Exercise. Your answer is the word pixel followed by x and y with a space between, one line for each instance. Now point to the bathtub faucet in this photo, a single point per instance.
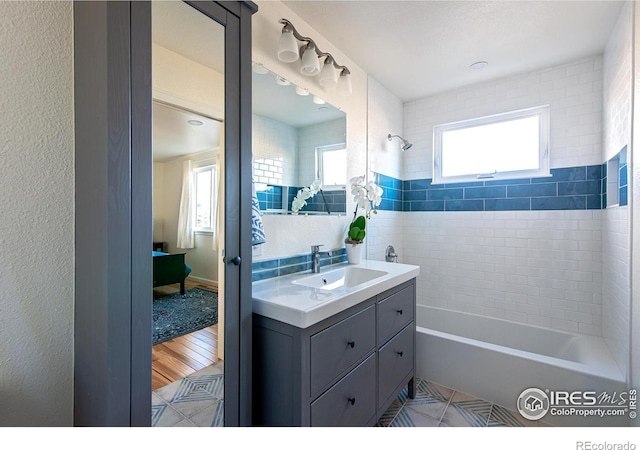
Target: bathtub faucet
pixel 390 254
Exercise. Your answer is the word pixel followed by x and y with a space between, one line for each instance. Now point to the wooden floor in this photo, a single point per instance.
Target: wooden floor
pixel 179 357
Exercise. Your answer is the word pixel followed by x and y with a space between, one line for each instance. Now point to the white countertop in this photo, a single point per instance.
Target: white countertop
pixel 280 299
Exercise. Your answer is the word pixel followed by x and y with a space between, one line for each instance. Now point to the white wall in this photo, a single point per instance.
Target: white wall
pixel 36 224
pixel 286 235
pixel 616 220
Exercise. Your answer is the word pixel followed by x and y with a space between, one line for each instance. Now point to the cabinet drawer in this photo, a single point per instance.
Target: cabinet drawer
pixel 394 313
pixel 395 362
pixel 341 346
pixel 351 402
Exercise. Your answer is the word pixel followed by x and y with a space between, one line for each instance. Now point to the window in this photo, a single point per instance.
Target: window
pixel 503 146
pixel 331 166
pixel 205 183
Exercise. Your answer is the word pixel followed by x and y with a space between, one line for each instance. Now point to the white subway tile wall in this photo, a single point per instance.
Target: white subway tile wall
pixel 573 91
pixel 537 267
pixel 616 291
pixel 275 146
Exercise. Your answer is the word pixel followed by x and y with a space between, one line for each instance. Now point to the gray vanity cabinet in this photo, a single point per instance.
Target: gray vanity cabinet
pixel 343 371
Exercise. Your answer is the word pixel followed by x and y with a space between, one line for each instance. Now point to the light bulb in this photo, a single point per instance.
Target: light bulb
pixel 344 84
pixel 288 46
pixel 310 63
pixel 328 76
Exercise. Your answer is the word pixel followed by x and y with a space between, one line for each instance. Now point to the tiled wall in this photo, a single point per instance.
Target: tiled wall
pixel 532 265
pixel 275 146
pixel 616 119
pixel 537 267
pixel 573 92
pixel 567 188
pixel 278 267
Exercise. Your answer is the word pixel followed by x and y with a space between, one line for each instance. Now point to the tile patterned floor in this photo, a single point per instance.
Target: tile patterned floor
pixel 197 401
pixel 194 401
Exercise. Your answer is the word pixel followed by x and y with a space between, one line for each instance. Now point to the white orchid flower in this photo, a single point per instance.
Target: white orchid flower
pixel 315 187
pixel 297 204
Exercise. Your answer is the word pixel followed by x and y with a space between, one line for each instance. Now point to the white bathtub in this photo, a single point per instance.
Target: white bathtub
pixel 496 360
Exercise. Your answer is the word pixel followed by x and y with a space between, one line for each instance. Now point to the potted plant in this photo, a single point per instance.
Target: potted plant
pixel 367 197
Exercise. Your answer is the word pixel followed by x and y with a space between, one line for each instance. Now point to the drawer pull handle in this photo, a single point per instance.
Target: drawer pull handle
pixel 351 344
pixel 399 353
pixel 399 311
pixel 352 401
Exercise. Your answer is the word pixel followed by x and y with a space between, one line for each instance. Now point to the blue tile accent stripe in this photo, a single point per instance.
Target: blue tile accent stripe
pixel 568 188
pixel 261 270
pixel 623 199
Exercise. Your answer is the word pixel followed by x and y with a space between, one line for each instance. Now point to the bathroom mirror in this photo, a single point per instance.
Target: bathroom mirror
pixel 297 138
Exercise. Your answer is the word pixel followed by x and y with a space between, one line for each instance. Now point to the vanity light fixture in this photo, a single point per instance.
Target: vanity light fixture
pixel 313 60
pixel 310 64
pixel 288 46
pixel 328 76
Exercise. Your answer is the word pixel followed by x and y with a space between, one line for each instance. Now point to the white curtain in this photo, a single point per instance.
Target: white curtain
pixel 186 214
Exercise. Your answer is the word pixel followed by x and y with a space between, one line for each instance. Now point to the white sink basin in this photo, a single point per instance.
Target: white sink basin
pixel 304 299
pixel 347 277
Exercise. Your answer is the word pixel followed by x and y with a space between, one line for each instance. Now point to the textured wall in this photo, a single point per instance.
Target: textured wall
pixel 36 223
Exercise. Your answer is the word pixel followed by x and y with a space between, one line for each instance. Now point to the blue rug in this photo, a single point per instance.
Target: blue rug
pixel 176 315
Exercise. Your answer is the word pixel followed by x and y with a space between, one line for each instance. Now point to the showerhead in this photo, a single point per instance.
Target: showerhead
pixel 406 145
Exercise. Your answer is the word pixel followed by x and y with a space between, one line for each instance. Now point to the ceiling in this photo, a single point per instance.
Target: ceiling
pixel 419 48
pixel 180 28
pixel 290 108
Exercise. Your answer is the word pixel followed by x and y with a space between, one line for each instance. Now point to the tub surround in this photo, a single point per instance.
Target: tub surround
pixel 335 357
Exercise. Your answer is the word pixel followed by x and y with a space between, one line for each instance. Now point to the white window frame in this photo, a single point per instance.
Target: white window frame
pixel 213 169
pixel 320 169
pixel 543 151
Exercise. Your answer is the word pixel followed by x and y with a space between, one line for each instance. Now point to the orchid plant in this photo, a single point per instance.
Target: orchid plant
pixel 300 200
pixel 367 197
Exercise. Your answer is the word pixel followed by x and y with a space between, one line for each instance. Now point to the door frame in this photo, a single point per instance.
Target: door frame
pixel 113 217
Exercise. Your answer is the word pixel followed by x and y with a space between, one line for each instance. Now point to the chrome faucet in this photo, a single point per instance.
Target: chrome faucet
pixel 315 258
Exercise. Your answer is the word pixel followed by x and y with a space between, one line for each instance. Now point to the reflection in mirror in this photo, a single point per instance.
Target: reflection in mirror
pixel 297 138
pixel 188 179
